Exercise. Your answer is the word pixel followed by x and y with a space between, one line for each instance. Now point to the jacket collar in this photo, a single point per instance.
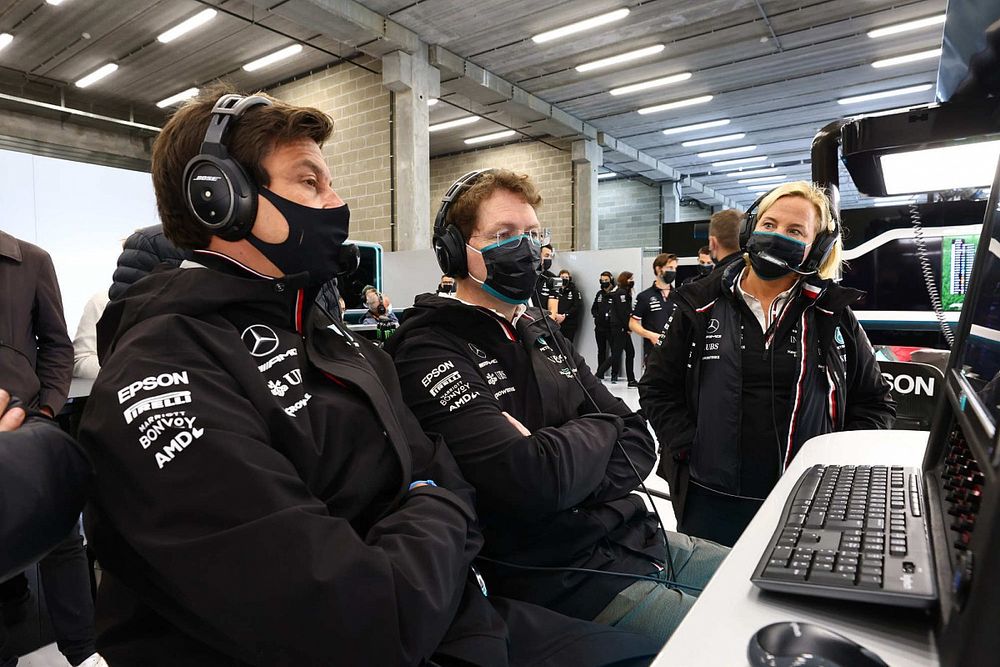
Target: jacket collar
pixel 9 247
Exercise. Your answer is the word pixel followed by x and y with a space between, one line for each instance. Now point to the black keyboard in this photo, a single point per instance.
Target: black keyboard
pixel 853 533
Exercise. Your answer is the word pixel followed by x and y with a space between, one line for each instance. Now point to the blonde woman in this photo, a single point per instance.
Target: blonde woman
pixel 758 358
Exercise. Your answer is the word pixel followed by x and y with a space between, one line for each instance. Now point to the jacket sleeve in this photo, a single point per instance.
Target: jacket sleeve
pixel 85 361
pixel 138 258
pixel 232 533
pixel 869 400
pixel 576 305
pixel 55 350
pixel 640 448
pixel 596 305
pixel 663 389
pixel 551 470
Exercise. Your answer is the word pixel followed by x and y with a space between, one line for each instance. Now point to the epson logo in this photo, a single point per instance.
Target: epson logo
pixel 904 384
pixel 207 178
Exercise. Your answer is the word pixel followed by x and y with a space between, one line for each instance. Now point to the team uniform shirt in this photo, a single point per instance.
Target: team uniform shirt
pixel 651 309
pixel 601 310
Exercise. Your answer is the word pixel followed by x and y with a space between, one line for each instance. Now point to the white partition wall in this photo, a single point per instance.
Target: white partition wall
pixel 407 273
pixel 79 213
pixel 586 267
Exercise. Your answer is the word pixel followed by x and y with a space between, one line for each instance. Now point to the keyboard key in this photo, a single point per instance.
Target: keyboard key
pixel 871 570
pixel 869 581
pixel 785 574
pixel 815 519
pixel 832 578
pixel 795 520
pixel 822 567
pixel 846 569
pixel 897 551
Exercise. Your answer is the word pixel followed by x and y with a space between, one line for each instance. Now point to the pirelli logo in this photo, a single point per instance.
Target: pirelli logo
pixel 170 400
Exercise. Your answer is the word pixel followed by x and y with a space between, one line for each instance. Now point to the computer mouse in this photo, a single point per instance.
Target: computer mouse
pixel 795 644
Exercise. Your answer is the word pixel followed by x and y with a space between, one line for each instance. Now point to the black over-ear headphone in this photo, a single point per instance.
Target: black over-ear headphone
pixel 218 191
pixel 449 244
pixel 821 247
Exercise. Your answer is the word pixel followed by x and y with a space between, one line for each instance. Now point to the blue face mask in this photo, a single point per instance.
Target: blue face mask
pixel 773 256
pixel 512 268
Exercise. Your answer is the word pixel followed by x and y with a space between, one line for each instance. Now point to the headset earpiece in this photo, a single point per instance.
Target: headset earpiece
pixel 220 194
pixel 449 244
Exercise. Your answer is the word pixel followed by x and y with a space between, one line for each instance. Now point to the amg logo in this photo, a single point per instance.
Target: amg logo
pixel 155 403
pixel 207 178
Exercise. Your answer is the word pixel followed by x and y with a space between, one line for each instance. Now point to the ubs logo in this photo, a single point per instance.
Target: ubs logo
pixel 260 339
pixel 713 325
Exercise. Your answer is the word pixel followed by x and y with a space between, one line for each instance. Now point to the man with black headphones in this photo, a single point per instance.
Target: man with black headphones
pixel 554 457
pixel 757 358
pixel 265 497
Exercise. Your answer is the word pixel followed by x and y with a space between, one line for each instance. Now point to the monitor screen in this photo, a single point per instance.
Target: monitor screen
pixel 979 362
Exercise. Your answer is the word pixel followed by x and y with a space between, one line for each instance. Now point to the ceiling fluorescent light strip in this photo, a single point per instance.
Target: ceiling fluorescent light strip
pixel 909 90
pixel 742 160
pixel 76 112
pixel 448 124
pixel 272 58
pixel 762 179
pixel 432 101
pixel 753 172
pixel 490 137
pixel 607 174
pixel 580 26
pixel 759 188
pixel 713 140
pixel 5 39
pixel 727 151
pixel 697 126
pixel 908 58
pixel 620 58
pixel 179 97
pixel 654 83
pixel 966 165
pixel 97 75
pixel 183 27
pixel 906 27
pixel 691 101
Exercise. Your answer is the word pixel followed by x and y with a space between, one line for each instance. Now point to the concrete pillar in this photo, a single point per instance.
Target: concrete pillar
pixel 413 81
pixel 670 201
pixel 587 157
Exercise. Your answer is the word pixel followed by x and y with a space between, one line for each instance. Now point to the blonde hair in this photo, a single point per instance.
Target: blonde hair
pixel 815 195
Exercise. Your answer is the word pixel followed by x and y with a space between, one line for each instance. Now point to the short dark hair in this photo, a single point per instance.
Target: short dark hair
pixel 250 140
pixel 549 246
pixel 464 210
pixel 725 226
pixel 663 259
pixel 608 274
pixel 704 250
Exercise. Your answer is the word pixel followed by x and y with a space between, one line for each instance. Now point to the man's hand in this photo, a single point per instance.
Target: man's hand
pixel 652 337
pixel 10 419
pixel 521 428
pixel 559 318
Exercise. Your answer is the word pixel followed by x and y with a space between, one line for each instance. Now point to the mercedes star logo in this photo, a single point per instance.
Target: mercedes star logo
pixel 713 325
pixel 476 351
pixel 260 339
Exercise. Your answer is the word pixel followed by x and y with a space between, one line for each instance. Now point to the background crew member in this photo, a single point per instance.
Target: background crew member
pixel 378 308
pixel 619 333
pixel 553 487
pixel 265 495
pixel 650 313
pixel 570 305
pixel 756 360
pixel 446 286
pixel 36 366
pixel 546 291
pixel 705 264
pixel 601 310
pixel 724 237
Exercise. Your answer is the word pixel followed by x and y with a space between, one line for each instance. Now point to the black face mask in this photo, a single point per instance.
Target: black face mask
pixel 566 281
pixel 705 269
pixel 512 269
pixel 605 284
pixel 667 277
pixel 546 264
pixel 446 288
pixel 775 255
pixel 315 239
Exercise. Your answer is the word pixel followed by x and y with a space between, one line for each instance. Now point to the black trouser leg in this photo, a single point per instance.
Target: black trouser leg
pixel 66 582
pixel 614 361
pixel 629 356
pixel 601 335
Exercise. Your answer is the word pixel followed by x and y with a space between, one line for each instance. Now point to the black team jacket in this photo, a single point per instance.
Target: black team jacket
pixel 695 411
pixel 562 497
pixel 253 461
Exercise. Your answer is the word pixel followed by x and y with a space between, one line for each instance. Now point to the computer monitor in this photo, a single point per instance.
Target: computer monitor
pixel 962 462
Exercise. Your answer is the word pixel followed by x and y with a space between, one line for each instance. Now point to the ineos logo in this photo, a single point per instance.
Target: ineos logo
pixel 713 325
pixel 260 339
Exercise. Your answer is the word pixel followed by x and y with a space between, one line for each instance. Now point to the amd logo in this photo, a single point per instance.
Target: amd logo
pixel 906 384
